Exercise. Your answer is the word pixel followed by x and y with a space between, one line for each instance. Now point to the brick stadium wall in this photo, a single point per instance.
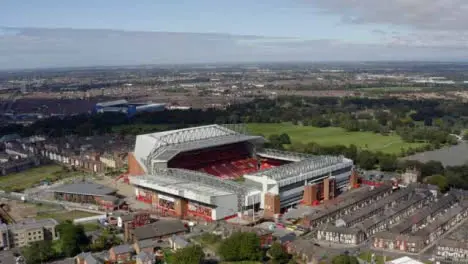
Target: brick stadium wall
pixel 134 167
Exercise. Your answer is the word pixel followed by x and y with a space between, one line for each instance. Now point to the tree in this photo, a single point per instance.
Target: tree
pixel 38 252
pixel 277 254
pixel 345 259
pixel 438 180
pixel 366 160
pixel 284 139
pixel 388 163
pixel 241 246
pixel 73 239
pixel 188 255
pixel 431 168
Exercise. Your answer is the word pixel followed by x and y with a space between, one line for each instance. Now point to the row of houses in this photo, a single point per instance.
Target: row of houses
pixel 425 215
pixel 358 233
pixel 94 154
pixel 344 204
pixel 377 208
pixel 425 236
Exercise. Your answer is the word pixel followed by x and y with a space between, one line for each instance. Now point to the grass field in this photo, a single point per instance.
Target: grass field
pixel 330 136
pixel 367 256
pixel 28 178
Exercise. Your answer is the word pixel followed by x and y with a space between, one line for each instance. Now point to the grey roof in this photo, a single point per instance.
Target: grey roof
pixel 144 256
pixel 389 213
pixel 311 164
pixel 89 258
pixel 122 249
pixel 146 243
pixel 85 188
pixel 452 243
pixel 179 241
pixel 449 156
pixel 345 200
pixel 127 217
pixel 158 229
pixel 440 221
pixel 422 214
pixel 340 230
pixel 380 204
pixel 30 224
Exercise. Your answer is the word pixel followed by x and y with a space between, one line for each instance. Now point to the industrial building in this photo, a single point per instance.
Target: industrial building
pixel 91 193
pixel 129 109
pixel 195 172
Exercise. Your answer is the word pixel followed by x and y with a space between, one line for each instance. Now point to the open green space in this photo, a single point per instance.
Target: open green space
pixel 31 177
pixel 62 216
pixel 379 259
pixel 332 136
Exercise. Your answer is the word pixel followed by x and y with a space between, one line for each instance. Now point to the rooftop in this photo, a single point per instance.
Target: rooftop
pixel 159 228
pixel 452 243
pixel 311 164
pixel 178 185
pixel 30 224
pixel 380 204
pixel 347 199
pixel 85 188
pixel 441 220
pixel 163 146
pixel 422 214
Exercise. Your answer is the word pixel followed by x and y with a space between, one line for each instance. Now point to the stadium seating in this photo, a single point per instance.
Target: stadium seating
pixel 226 162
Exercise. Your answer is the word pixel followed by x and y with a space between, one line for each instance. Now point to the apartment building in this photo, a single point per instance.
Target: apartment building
pixel 25 232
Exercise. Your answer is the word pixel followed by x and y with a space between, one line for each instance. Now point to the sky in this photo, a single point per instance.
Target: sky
pixel 58 33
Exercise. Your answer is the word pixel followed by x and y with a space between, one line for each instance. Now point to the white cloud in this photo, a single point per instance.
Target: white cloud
pixel 434 23
pixel 33 48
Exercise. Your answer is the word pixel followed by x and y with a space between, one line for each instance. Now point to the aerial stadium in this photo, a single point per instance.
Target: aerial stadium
pixel 216 172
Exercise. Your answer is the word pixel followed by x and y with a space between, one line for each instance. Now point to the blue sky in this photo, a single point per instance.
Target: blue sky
pixel 315 30
pixel 241 17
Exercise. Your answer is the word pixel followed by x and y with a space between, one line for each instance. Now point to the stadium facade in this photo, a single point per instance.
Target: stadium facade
pixel 130 109
pixel 215 172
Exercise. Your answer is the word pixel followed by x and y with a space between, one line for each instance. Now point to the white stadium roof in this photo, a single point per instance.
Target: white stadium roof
pixel 163 146
pixel 192 185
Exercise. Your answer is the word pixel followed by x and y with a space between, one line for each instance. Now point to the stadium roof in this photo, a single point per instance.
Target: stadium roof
pixel 283 155
pixel 179 182
pixel 85 188
pixel 305 169
pixel 112 103
pixel 163 146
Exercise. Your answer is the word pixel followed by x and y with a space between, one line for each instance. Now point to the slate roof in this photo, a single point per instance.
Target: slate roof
pixel 85 188
pixel 159 228
pixel 122 249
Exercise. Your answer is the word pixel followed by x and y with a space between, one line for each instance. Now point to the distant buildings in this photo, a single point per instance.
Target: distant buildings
pixel 130 109
pixel 25 232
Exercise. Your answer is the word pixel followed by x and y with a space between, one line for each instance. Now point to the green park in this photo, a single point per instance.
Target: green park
pixel 332 136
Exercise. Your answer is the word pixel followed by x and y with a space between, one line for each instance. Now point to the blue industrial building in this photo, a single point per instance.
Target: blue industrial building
pixel 124 107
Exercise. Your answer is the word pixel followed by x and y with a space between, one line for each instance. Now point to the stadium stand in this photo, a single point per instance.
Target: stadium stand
pixel 191 169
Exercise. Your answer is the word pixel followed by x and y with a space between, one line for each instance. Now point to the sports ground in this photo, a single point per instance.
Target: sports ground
pixel 332 136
